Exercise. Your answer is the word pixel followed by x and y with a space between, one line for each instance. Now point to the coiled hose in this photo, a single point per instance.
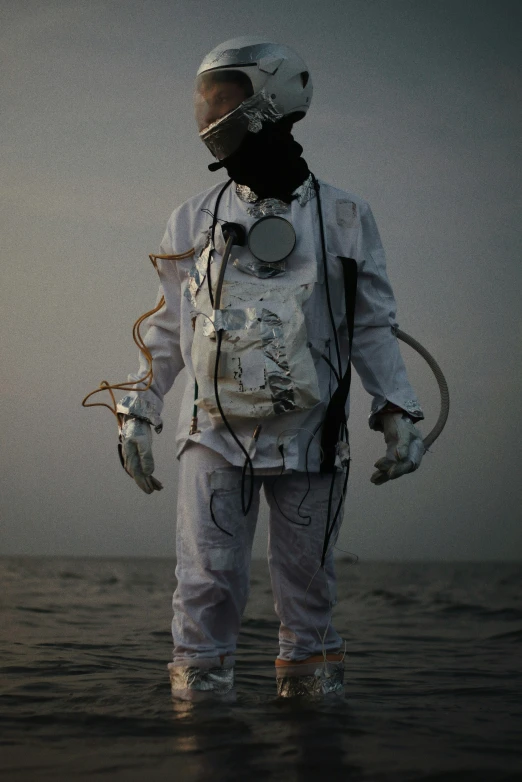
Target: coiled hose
pixel 441 381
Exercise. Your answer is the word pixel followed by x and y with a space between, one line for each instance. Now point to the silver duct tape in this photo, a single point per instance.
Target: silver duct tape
pixel 198 273
pixel 140 408
pixel 225 135
pixel 201 241
pixel 259 269
pixel 271 335
pixel 246 194
pixel 326 680
pixel 277 367
pixel 236 319
pixel 217 680
pixel 342 451
pixel 304 193
pixel 258 109
pixel 208 328
pixel 413 407
pixel 267 207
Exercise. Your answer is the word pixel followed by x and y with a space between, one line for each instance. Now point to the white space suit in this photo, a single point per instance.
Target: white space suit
pixel 264 351
pixel 214 540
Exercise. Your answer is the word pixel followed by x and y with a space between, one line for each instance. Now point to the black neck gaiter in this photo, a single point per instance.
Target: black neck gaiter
pixel 269 162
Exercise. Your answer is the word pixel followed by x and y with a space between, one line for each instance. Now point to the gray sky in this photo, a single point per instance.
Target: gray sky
pixel 416 108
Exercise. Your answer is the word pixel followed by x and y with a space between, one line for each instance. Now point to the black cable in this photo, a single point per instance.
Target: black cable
pixel 332 369
pixel 221 276
pixel 219 338
pixel 245 508
pixel 248 461
pixel 292 521
pixel 209 279
pixel 327 287
pixel 212 239
pixel 306 462
pixel 308 478
pixel 243 475
pixel 211 213
pixel 326 284
pixel 338 352
pixel 214 518
pixel 330 527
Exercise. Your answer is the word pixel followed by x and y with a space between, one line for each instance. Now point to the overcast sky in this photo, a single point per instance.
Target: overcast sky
pixel 416 108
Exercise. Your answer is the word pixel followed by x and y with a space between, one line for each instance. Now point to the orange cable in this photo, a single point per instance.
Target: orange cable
pixel 148 377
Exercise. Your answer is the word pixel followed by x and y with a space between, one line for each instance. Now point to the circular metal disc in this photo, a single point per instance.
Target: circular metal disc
pixel 271 239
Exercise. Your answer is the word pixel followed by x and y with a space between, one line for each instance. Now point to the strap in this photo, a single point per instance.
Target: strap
pixel 335 413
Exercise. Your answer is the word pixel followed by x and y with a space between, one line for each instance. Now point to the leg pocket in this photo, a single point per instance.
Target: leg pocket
pixel 299 511
pixel 228 533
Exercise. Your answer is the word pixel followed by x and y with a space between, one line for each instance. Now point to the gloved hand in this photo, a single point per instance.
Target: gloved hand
pixel 135 452
pixel 404 451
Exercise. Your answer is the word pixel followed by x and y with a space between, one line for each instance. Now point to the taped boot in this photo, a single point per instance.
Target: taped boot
pixel 211 678
pixel 316 676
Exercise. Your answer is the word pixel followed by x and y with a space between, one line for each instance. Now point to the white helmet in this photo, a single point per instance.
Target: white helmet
pixel 274 82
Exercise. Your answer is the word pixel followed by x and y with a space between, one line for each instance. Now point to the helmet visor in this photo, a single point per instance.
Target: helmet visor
pixel 226 108
pixel 217 98
pixel 217 93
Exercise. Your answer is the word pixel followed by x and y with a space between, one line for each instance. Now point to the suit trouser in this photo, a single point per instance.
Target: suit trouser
pixel 213 564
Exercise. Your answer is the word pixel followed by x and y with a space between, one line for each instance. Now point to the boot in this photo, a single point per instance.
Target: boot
pixel 316 676
pixel 210 678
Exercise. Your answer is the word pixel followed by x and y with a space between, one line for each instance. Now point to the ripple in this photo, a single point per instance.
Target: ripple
pixel 511 635
pixel 432 673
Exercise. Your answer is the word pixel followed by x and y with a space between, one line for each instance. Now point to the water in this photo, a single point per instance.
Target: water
pixel 433 679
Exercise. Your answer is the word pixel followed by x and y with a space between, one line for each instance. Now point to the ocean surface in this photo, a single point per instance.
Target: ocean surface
pixel 433 679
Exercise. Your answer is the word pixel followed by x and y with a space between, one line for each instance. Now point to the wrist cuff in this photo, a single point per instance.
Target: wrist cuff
pixel 135 407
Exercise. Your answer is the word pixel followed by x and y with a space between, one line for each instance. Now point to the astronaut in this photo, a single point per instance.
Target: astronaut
pixel 266 330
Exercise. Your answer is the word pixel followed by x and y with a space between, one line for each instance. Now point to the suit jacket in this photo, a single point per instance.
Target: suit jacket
pixel 350 232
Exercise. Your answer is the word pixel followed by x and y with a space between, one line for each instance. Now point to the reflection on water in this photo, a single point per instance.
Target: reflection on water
pixel 433 679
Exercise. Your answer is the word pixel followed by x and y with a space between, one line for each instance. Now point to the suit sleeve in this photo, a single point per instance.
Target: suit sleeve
pixel 375 352
pixel 162 334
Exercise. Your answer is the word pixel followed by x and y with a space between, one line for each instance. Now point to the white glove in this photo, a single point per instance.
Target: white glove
pixel 404 451
pixel 135 450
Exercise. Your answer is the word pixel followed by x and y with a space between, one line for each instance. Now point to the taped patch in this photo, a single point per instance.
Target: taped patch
pixel 345 212
pixel 197 274
pixel 224 478
pixel 271 371
pixel 229 365
pixel 252 370
pixel 222 558
pixel 342 451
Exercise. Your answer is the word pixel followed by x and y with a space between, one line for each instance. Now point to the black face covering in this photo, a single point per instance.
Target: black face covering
pixel 268 162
